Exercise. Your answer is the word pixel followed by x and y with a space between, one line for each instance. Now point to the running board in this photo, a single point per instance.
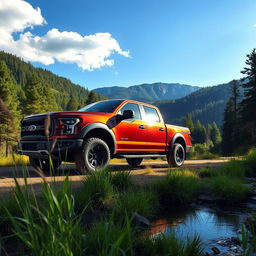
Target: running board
pixel 139 156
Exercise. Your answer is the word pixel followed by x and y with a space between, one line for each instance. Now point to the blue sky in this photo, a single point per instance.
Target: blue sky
pixel 201 42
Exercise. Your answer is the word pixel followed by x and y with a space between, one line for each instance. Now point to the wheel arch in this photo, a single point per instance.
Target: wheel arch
pixel 101 131
pixel 179 138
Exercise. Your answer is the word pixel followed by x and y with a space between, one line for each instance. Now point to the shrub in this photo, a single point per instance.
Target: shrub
pixel 143 201
pixel 122 180
pixel 233 169
pixel 172 246
pixel 230 189
pixel 177 187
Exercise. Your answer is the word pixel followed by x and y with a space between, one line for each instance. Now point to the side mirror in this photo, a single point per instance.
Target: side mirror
pixel 128 114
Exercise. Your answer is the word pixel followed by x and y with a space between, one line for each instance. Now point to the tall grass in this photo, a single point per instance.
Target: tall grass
pixel 228 188
pixel 107 238
pixel 97 189
pixel 171 246
pixel 143 201
pixel 250 162
pixel 14 160
pixel 52 228
pixel 122 180
pixel 177 187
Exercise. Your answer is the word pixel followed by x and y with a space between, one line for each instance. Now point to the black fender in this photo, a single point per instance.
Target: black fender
pixel 102 126
pixel 175 137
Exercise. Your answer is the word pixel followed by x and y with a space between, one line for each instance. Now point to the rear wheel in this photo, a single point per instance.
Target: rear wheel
pixel 176 156
pixel 134 162
pixel 45 165
pixel 95 155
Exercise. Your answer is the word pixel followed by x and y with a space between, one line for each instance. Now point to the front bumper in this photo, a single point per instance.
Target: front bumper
pixel 63 148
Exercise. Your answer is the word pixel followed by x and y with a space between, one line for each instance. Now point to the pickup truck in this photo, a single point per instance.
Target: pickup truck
pixel 98 132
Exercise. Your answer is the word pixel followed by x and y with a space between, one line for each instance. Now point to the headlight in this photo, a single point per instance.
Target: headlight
pixel 66 126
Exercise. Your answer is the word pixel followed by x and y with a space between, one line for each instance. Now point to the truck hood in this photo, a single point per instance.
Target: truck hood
pixel 69 113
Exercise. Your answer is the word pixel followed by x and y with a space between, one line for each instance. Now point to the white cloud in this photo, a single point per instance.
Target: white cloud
pixel 254 25
pixel 88 52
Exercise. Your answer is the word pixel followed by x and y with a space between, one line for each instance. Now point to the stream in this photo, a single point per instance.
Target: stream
pixel 218 227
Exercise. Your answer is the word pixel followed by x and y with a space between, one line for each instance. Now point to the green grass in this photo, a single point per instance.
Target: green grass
pixel 206 155
pixel 178 187
pixel 228 188
pixel 171 246
pixel 122 180
pixel 14 160
pixel 52 228
pixel 250 162
pixel 107 238
pixel 142 201
pixel 97 190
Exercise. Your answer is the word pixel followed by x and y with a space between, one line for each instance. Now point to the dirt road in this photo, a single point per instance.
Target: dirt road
pixel 147 172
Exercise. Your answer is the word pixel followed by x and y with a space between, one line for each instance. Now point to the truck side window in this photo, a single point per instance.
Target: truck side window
pixel 134 108
pixel 151 114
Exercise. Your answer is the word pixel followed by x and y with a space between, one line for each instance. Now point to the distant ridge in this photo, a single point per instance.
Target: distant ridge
pixel 148 92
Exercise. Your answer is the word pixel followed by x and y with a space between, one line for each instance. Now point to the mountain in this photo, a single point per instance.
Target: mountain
pixel 206 105
pixel 148 92
pixel 62 88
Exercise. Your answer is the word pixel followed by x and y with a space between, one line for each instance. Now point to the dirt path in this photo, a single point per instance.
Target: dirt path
pixel 146 173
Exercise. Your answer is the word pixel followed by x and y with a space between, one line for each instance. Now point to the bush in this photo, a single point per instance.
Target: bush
pixel 230 189
pixel 177 187
pixel 143 201
pixel 122 180
pixel 170 245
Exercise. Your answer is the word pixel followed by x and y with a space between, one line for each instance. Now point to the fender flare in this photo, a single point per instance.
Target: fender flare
pixel 176 136
pixel 102 126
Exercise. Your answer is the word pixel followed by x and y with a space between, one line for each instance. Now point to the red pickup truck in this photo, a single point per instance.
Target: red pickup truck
pixel 108 129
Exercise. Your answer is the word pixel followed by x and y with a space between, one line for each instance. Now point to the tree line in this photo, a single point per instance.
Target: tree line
pixel 25 90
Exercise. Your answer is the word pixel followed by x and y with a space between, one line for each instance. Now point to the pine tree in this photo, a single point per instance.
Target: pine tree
pixel 248 104
pixel 9 113
pixel 188 121
pixel 92 97
pixel 215 135
pixel 72 104
pixel 199 134
pixel 230 128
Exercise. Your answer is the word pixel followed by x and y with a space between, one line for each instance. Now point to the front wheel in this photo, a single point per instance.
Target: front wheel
pixel 95 155
pixel 176 156
pixel 134 162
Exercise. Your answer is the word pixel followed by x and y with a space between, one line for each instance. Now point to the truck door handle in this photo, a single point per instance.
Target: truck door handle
pixel 161 129
pixel 142 127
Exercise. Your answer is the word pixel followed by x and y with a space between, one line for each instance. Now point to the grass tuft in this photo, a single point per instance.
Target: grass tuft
pixel 143 201
pixel 122 180
pixel 171 245
pixel 230 189
pixel 177 187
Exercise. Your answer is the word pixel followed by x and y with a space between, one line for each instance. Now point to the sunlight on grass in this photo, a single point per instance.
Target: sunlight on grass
pixel 14 160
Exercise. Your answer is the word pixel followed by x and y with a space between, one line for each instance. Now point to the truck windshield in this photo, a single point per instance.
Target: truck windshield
pixel 106 106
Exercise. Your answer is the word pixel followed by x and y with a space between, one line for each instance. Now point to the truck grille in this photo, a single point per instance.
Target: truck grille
pixel 34 126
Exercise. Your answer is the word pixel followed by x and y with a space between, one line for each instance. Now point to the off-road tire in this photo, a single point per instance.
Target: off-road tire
pixel 94 156
pixel 176 155
pixel 45 165
pixel 134 162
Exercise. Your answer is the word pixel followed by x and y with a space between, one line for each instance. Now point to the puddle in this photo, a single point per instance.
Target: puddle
pixel 213 226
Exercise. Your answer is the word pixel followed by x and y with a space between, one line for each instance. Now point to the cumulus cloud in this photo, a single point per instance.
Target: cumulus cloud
pixel 88 52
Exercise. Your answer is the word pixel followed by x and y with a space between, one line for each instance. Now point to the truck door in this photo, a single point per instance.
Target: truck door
pixel 131 134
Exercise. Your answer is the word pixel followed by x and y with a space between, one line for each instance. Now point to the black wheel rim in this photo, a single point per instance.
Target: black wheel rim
pixel 97 156
pixel 179 156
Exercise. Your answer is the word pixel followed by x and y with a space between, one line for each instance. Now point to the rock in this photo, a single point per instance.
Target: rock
pixel 236 240
pixel 215 250
pixel 140 220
